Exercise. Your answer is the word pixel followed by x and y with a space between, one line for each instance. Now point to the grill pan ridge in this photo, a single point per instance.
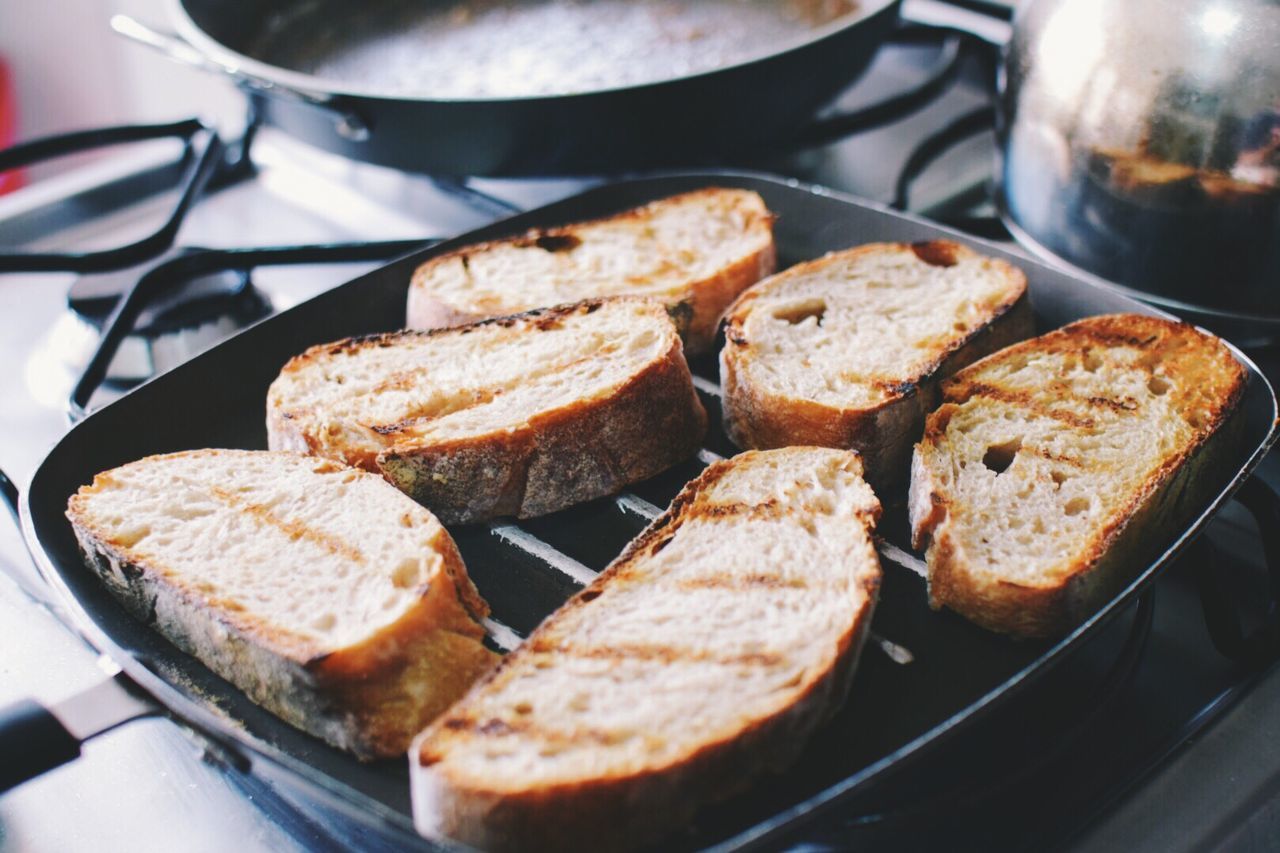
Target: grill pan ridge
pixel 896 713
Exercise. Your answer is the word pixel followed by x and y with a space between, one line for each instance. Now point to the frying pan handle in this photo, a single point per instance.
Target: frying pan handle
pixel 348 124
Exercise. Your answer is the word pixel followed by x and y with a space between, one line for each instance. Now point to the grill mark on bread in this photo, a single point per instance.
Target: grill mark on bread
pixel 660 652
pixel 728 580
pixel 1064 458
pixel 427 414
pixel 472 397
pixel 496 727
pixel 1022 399
pixel 476 397
pixel 771 508
pixel 398 426
pixel 399 381
pixel 293 529
pixel 1128 404
pixel 538 317
pixel 1112 338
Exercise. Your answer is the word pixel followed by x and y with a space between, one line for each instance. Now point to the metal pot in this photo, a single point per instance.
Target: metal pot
pixel 1141 142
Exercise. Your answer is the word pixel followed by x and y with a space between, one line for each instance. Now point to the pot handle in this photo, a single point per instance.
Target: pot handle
pixel 348 124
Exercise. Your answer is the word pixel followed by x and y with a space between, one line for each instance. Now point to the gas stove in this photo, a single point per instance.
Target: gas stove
pixel 1173 750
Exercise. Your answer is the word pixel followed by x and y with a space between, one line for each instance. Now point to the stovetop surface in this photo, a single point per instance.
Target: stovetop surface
pixel 1184 759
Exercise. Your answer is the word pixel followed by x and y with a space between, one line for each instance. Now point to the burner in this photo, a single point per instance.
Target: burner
pixel 196 315
pixel 176 325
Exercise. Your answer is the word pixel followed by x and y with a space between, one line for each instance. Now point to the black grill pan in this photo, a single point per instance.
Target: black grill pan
pixel 896 713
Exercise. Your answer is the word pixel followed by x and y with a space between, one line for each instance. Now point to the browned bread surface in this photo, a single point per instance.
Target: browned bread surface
pixel 707 652
pixel 695 251
pixel 1052 466
pixel 327 596
pixel 846 350
pixel 519 415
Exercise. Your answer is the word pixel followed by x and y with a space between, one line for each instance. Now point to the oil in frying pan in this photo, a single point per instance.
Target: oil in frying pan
pixel 492 49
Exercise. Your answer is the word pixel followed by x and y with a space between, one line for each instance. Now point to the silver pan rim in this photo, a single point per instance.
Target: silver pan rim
pixel 322 87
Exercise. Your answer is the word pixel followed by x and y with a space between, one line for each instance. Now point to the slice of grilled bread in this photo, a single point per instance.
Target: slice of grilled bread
pixel 707 652
pixel 697 251
pixel 327 596
pixel 846 350
pixel 519 415
pixel 1053 464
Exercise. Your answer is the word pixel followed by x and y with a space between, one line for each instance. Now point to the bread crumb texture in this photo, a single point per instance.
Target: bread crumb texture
pixel 741 605
pixel 1044 452
pixel 353 399
pixel 701 246
pixel 320 590
pixel 857 328
pixel 323 553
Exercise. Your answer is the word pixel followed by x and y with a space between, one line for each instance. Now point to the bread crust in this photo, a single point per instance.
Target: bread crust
pixel 1117 551
pixel 371 698
pixel 629 809
pixel 884 433
pixel 552 460
pixel 705 298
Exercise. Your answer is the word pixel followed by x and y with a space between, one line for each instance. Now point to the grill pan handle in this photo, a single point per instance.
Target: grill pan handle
pixel 35 738
pixel 33 741
pixel 348 124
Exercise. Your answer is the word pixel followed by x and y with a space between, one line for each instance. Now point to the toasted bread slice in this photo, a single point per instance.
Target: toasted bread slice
pixel 696 251
pixel 846 350
pixel 327 596
pixel 520 415
pixel 1054 462
pixel 707 652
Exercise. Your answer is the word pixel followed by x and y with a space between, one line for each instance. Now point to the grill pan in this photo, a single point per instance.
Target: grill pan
pixel 895 714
